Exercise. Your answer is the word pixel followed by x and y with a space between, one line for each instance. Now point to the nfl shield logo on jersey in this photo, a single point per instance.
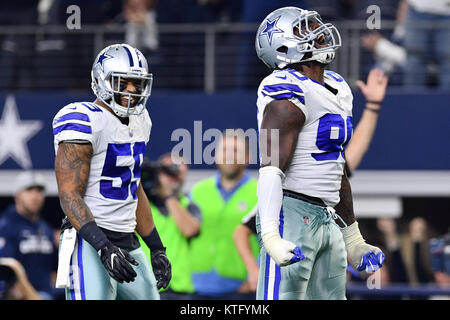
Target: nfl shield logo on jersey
pixel 242 206
pixel 306 219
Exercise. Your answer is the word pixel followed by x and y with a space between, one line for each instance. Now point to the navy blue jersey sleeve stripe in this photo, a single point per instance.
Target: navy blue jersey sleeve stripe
pixel 289 95
pixel 72 116
pixel 92 107
pixel 281 87
pixel 73 126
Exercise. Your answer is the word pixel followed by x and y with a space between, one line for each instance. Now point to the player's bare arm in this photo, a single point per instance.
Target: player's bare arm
pixel 72 166
pixel 345 205
pixel 144 218
pixel 145 226
pixel 284 116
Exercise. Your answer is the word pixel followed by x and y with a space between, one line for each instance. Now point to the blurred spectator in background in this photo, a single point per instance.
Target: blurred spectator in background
pixel 409 257
pixel 374 91
pixel 416 254
pixel 426 42
pixel 440 259
pixel 351 9
pixel 388 55
pixel 14 284
pixel 64 56
pixel 25 237
pixel 242 236
pixel 218 270
pixel 177 219
pixel 391 241
pixel 141 29
pixel 384 46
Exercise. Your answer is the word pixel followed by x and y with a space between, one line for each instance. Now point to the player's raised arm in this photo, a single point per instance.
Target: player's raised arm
pixel 287 119
pixel 374 91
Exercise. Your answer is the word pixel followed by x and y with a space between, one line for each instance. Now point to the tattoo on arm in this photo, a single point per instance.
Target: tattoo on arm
pixel 345 206
pixel 72 166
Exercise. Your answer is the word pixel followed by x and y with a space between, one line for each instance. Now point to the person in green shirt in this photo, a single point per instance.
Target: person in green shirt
pixel 218 272
pixel 177 219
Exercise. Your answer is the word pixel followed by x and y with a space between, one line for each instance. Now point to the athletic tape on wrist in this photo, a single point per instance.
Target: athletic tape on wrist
pixel 352 235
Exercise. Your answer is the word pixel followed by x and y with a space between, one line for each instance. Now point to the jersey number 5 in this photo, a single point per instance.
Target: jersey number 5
pixel 333 134
pixel 112 170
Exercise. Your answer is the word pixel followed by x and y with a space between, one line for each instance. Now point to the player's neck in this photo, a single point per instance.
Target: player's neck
pixel 312 71
pixel 103 105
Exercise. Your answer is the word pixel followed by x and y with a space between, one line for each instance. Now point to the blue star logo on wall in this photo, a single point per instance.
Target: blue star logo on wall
pixel 104 56
pixel 271 28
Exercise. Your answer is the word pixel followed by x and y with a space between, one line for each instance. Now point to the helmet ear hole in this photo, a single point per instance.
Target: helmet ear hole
pixel 283 49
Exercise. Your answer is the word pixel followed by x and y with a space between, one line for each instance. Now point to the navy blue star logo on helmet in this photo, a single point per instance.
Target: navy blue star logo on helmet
pixel 103 56
pixel 271 28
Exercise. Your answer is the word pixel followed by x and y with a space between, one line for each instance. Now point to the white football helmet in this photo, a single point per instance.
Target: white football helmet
pixel 116 62
pixel 288 34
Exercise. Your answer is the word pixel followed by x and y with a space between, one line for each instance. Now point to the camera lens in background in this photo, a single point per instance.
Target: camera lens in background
pixel 7 274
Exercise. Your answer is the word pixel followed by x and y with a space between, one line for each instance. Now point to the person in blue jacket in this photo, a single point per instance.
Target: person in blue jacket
pixel 26 237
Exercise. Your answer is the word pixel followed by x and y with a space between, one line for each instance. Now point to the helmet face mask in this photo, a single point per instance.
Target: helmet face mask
pixel 119 83
pixel 113 68
pixel 288 34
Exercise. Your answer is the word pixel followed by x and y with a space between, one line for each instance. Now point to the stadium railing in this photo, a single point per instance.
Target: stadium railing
pixel 190 56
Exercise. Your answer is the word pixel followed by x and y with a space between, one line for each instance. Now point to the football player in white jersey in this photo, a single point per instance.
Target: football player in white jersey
pixel 305 210
pixel 99 151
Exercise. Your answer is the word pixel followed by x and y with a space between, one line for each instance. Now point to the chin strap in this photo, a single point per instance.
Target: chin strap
pixel 324 57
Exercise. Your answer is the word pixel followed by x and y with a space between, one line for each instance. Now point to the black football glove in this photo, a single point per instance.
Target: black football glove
pixel 161 268
pixel 117 262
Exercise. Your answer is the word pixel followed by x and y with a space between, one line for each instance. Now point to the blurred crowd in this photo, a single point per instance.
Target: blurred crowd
pixel 415 51
pixel 415 256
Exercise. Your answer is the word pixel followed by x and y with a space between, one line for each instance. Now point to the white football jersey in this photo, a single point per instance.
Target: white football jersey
pixel 118 152
pixel 318 162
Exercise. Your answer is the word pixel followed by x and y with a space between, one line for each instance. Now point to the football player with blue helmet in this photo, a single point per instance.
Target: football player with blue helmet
pixel 99 150
pixel 305 209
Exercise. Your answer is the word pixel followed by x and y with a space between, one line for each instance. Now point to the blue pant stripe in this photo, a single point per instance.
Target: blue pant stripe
pixel 72 287
pixel 276 287
pixel 80 268
pixel 266 276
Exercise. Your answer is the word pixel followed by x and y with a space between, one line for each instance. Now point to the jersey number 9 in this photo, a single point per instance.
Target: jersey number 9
pixel 333 134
